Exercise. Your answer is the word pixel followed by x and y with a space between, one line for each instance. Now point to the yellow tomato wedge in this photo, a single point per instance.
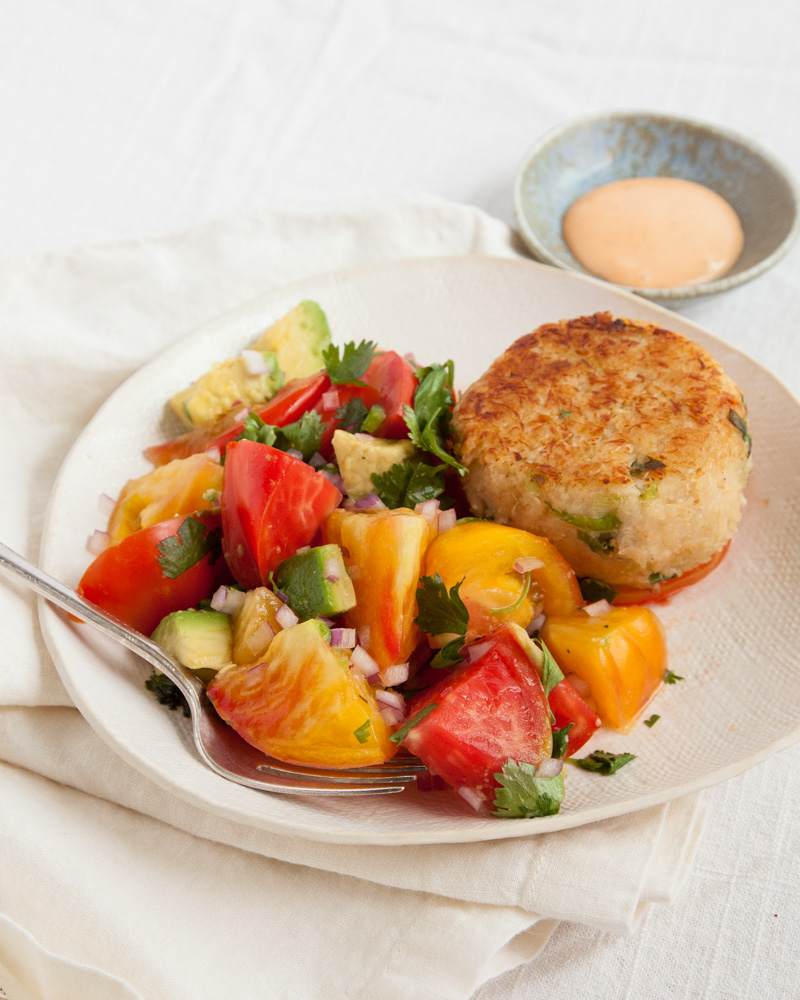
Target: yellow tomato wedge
pixel 255 624
pixel 303 704
pixel 482 554
pixel 171 489
pixel 383 551
pixel 621 654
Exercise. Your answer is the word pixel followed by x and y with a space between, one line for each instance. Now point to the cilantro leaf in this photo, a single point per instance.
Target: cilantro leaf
pixel 409 724
pixel 407 484
pixel 429 422
pixel 304 435
pixel 560 740
pixel 362 733
pixel 670 678
pixel 649 464
pixel 354 361
pixel 182 550
pixel 596 590
pixel 602 761
pixel 440 611
pixel 523 793
pixel 551 672
pixel 256 430
pixel 651 721
pixel 166 692
pixel 352 415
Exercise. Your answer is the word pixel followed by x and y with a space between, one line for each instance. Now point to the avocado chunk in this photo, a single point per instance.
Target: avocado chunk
pixel 316 583
pixel 298 340
pixel 227 383
pixel 200 640
pixel 359 455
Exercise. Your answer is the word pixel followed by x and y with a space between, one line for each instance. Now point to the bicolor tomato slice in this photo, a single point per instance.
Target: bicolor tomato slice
pixel 394 379
pixel 272 504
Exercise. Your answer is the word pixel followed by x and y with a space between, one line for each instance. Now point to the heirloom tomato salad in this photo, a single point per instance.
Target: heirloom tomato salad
pixel 305 548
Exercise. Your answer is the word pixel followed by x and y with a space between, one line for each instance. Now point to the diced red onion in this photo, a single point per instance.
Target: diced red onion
pixel 281 596
pixel 391 698
pixel 364 664
pixel 429 510
pixel 390 717
pixel 598 608
pixel 254 363
pixel 227 600
pixel 106 504
pixel 370 502
pixel 98 542
pixel 334 479
pixel 527 563
pixel 262 636
pixel 535 624
pixel 363 632
pixel 550 768
pixel 409 356
pixel 326 621
pixel 475 652
pixel 343 638
pixel 241 415
pixel 580 685
pixel 471 796
pixel 330 399
pixel 447 520
pixel 285 617
pixel 397 674
pixel 295 453
pixel 213 454
pixel 317 461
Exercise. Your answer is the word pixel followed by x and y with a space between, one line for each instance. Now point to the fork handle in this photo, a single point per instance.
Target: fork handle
pixel 36 579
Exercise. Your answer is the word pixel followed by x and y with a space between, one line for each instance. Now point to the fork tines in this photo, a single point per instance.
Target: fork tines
pixel 390 773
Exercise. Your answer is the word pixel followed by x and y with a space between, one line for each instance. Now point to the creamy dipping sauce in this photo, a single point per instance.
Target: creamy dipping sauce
pixel 654 232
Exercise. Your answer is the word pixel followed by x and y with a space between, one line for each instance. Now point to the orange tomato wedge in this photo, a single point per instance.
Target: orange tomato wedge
pixel 175 488
pixel 621 654
pixel 383 551
pixel 482 554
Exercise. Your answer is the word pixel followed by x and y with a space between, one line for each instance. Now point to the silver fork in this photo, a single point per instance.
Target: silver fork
pixel 218 745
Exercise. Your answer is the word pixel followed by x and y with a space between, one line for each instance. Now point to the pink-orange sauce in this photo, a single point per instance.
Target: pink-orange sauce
pixel 654 232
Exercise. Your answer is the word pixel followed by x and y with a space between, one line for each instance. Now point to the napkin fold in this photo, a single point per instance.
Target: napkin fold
pixel 181 902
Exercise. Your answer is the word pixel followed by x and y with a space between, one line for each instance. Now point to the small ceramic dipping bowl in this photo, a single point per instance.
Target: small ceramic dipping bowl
pixel 583 154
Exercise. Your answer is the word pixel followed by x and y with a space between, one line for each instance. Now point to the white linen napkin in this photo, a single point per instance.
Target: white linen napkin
pixel 181 902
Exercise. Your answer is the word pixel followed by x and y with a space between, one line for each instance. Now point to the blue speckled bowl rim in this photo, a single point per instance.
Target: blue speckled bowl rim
pixel 722 284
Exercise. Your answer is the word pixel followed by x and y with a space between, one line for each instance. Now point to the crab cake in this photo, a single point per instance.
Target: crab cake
pixel 624 444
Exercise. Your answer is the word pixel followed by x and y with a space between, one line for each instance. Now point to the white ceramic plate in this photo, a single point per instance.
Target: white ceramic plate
pixel 732 636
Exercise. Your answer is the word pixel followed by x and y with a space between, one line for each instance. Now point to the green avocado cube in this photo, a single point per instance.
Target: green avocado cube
pixel 316 583
pixel 200 640
pixel 298 340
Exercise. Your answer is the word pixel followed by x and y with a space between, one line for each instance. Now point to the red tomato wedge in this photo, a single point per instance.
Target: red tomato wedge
pixel 127 580
pixel 667 588
pixel 396 383
pixel 272 504
pixel 487 712
pixel 568 706
pixel 286 406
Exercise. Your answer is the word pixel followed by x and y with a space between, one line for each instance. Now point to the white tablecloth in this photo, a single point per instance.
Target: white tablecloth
pixel 124 121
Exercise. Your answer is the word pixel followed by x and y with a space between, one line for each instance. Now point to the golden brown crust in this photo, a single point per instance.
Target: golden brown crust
pixel 572 411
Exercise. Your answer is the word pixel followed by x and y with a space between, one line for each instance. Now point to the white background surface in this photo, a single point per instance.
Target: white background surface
pixel 125 120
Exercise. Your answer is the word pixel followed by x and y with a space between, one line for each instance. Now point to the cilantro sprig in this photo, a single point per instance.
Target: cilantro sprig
pixel 352 415
pixel 363 731
pixel 429 421
pixel 409 724
pixel 350 365
pixel 442 611
pixel 187 546
pixel 407 484
pixel 671 678
pixel 561 740
pixel 602 762
pixel 304 435
pixel 166 692
pixel 523 793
